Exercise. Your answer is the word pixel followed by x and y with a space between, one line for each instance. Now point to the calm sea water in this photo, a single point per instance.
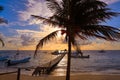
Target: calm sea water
pixel 98 63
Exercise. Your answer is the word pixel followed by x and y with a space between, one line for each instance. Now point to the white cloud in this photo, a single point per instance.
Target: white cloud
pixel 31 33
pixel 35 7
pixel 109 1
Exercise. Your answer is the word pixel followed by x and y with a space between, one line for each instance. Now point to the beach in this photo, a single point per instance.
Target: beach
pixel 50 77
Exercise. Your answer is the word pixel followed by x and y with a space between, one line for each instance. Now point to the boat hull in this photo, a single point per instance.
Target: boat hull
pixel 14 62
pixel 87 56
pixel 4 58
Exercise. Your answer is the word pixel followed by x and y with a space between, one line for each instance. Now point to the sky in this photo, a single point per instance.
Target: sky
pixel 23 32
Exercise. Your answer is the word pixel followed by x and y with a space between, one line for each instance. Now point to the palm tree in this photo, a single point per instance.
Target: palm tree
pixel 2 21
pixel 78 19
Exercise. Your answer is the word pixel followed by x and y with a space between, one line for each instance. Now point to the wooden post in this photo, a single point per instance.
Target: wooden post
pixel 18 74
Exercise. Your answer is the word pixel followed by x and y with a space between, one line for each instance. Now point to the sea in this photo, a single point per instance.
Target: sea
pixel 99 63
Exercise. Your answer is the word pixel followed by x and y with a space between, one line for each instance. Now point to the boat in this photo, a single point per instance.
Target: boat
pixel 102 51
pixel 85 56
pixel 3 58
pixel 57 52
pixel 14 62
pixel 79 55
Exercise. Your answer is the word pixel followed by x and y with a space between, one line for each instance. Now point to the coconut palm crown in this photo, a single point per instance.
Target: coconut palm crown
pixel 79 19
pixel 83 17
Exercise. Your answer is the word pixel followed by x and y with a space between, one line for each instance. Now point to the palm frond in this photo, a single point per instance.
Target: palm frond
pixel 93 14
pixel 2 20
pixel 47 21
pixel 101 31
pixel 1 8
pixel 59 19
pixel 81 36
pixel 97 16
pixel 45 40
pixel 87 5
pixel 2 42
pixel 54 6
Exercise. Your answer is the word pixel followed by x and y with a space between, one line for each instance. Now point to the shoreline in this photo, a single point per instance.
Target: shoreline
pixel 60 74
pixel 52 77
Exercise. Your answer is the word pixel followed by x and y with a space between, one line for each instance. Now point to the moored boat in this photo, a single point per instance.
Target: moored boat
pixel 57 52
pixel 79 55
pixel 14 62
pixel 3 58
pixel 102 51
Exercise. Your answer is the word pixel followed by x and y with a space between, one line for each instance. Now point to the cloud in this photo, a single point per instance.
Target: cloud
pixel 109 1
pixel 28 37
pixel 15 41
pixel 1 35
pixel 34 7
pixel 12 42
pixel 23 39
pixel 27 40
pixel 31 33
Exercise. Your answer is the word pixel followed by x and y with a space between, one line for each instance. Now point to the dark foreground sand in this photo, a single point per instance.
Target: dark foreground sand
pixel 73 77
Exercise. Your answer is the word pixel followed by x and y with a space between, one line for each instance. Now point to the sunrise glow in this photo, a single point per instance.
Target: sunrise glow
pixel 24 32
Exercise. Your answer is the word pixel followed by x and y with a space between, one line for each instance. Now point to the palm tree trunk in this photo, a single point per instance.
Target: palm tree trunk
pixel 69 45
pixel 68 57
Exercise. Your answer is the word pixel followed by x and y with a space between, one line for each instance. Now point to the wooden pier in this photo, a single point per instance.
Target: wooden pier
pixel 48 67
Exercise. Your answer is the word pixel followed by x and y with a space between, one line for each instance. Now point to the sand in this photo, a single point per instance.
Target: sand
pixel 49 77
